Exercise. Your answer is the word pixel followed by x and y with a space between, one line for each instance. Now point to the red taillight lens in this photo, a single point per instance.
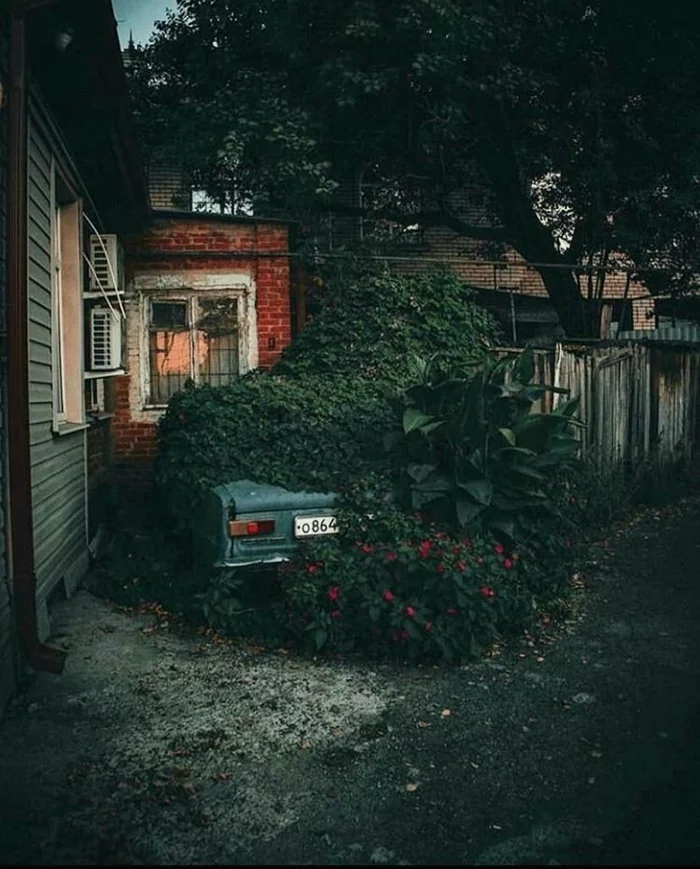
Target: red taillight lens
pixel 253 528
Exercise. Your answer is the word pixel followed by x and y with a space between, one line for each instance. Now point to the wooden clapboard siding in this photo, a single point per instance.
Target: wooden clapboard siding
pixel 7 628
pixel 58 463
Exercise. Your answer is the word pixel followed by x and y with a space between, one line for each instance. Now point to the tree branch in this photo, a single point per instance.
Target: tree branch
pixel 438 217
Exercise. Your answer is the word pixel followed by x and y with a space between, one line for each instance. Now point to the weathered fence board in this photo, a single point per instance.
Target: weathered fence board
pixel 638 400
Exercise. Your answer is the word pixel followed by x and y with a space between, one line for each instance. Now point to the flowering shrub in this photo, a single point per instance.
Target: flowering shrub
pixel 395 582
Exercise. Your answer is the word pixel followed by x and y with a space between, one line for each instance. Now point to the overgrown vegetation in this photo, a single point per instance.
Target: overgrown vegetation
pixel 323 411
pixel 461 510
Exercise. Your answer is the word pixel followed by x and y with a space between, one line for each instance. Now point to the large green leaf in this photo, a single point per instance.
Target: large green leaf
pixel 480 490
pixel 467 511
pixel 419 472
pixel 414 419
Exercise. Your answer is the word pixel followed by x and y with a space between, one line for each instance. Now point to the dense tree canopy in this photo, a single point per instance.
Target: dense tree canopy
pixel 580 119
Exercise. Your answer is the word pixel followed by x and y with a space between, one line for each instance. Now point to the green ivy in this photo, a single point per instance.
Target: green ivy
pixel 370 321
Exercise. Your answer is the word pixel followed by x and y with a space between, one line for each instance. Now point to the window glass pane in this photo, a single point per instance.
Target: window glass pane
pixel 170 359
pixel 217 340
pixel 169 315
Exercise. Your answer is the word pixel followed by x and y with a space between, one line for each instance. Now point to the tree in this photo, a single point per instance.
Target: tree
pixel 578 119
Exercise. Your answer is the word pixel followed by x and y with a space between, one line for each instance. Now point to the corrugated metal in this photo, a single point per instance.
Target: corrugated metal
pixel 58 464
pixel 682 334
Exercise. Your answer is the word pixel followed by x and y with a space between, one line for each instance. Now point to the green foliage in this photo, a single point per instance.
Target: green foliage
pixel 370 321
pixel 395 584
pixel 472 451
pixel 565 116
pixel 317 420
pixel 297 432
pixel 140 565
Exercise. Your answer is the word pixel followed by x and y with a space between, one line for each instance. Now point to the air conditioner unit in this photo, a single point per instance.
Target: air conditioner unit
pixel 107 259
pixel 105 340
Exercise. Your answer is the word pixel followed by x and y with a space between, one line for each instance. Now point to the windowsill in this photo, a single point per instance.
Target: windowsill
pixel 155 407
pixel 97 375
pixel 68 428
pixel 98 416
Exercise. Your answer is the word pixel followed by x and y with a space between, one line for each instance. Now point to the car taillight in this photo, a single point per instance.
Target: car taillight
pixel 251 528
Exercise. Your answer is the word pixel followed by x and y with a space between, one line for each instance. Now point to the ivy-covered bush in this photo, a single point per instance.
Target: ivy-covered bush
pixel 317 420
pixel 298 432
pixel 370 322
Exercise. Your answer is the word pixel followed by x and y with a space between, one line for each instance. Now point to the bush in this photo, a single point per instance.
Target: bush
pixel 298 432
pixel 393 584
pixel 317 421
pixel 370 322
pixel 474 454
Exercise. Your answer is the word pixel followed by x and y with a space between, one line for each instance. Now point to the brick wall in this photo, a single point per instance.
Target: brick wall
pixel 467 257
pixel 191 250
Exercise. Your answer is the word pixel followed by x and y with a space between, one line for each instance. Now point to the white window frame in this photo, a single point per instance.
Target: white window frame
pixel 173 286
pixel 191 299
pixel 58 372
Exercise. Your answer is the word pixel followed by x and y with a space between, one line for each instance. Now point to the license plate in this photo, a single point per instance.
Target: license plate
pixel 315 526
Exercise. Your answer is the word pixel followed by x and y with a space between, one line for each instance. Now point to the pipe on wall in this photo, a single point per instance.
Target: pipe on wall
pixel 21 536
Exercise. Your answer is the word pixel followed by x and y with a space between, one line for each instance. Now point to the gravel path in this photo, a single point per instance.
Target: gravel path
pixel 159 747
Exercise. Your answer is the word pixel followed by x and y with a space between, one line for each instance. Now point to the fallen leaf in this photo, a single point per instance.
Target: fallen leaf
pixel 446 713
pixel 475 765
pixel 425 724
pixel 411 787
pixel 304 744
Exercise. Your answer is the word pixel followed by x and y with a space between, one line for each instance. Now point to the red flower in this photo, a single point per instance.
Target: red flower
pixel 424 548
pixel 388 595
pixel 461 566
pixel 335 614
pixel 334 593
pixel 441 568
pixel 456 550
pixel 499 549
pixel 410 611
pixel 507 563
pixel 428 626
pixel 312 568
pixel 451 611
pixel 487 592
pixel 367 548
pixel 391 556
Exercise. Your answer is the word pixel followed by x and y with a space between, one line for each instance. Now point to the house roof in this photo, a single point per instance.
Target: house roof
pixel 85 88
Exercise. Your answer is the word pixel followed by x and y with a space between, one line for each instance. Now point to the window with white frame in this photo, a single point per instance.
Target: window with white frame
pixel 191 336
pixel 66 305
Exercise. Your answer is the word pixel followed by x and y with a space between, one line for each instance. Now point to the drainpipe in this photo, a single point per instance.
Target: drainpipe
pixel 38 655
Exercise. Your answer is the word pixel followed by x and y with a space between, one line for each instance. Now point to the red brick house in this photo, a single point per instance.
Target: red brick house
pixel 207 298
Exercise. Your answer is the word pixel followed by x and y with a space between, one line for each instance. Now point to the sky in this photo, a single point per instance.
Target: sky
pixel 139 15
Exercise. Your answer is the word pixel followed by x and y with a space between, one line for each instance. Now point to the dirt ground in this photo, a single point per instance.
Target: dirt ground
pixel 160 747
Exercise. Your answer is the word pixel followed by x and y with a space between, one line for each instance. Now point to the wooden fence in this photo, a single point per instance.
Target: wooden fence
pixel 639 400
